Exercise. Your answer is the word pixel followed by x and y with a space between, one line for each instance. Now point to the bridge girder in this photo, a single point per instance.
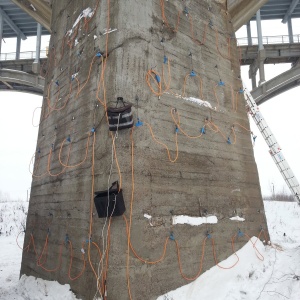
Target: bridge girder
pixel 277 85
pixel 24 82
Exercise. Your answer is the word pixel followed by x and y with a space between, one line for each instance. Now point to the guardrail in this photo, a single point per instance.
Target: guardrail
pixel 267 40
pixel 23 55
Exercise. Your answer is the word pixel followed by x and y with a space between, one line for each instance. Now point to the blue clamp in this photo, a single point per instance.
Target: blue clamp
pixel 192 74
pixel 241 91
pixel 52 146
pixel 139 123
pixel 67 238
pixel 240 233
pixel 88 240
pixel 208 235
pixel 221 83
pixel 203 131
pixel 172 237
pixel 93 130
pixel 229 141
pixel 186 11
pixel 254 138
pixel 210 23
pixel 69 139
pixel 98 54
pixel 57 82
pixel 157 78
pixel 165 59
pixel 176 129
pixel 39 150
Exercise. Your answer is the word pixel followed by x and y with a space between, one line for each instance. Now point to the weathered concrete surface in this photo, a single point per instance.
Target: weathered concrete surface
pixel 210 177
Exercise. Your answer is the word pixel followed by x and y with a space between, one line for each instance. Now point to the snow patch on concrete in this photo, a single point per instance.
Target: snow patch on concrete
pixel 194 221
pixel 237 218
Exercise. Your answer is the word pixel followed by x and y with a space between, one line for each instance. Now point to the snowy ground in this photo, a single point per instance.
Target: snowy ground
pixel 264 272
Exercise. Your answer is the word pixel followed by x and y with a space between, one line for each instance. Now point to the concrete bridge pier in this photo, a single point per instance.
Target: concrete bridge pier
pixel 188 157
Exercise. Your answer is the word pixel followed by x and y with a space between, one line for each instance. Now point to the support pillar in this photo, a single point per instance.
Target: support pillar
pixel 261 50
pixel 249 36
pixel 1 31
pixel 18 48
pixel 290 29
pixel 158 175
pixel 252 75
pixel 36 63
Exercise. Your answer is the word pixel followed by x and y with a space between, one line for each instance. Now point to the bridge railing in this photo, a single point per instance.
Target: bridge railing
pixel 23 55
pixel 269 40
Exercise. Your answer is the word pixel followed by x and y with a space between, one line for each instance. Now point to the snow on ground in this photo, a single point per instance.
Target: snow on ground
pixel 277 276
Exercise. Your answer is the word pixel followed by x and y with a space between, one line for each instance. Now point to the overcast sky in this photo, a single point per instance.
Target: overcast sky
pixel 18 135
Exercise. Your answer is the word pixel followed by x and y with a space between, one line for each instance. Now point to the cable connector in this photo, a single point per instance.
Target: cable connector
pixel 165 59
pixel 221 83
pixel 193 73
pixel 139 123
pixel 172 237
pixel 240 233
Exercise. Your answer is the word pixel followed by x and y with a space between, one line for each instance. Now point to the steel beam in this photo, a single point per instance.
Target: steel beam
pixel 38 10
pixel 290 11
pixel 11 24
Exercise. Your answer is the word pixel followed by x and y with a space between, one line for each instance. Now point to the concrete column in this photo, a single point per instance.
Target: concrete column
pixel 1 31
pixel 261 50
pixel 18 47
pixel 36 63
pixel 290 29
pixel 190 178
pixel 252 75
pixel 249 36
pixel 259 31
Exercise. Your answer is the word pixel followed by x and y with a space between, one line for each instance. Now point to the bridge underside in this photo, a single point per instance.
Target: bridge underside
pixel 275 53
pixel 18 81
pixel 279 84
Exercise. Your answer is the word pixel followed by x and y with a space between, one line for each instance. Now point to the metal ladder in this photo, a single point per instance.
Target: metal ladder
pixel 275 150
